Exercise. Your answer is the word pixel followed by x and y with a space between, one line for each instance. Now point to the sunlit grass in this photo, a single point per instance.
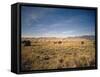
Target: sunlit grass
pixel 70 53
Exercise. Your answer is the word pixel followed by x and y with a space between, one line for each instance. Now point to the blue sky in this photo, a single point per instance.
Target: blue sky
pixel 56 22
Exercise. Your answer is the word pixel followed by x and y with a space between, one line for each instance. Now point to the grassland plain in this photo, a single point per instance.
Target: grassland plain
pixel 57 53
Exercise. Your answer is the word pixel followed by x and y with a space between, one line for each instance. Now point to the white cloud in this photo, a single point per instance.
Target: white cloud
pixel 68 32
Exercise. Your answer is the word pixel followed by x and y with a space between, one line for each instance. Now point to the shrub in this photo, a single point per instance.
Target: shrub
pixel 55 42
pixel 46 58
pixel 26 43
pixel 59 42
pixel 82 42
pixel 61 60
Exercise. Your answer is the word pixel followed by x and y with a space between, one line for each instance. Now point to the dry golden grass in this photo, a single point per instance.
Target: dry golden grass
pixel 50 54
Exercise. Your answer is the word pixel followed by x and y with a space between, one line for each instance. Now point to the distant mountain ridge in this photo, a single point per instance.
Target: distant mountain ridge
pixel 90 37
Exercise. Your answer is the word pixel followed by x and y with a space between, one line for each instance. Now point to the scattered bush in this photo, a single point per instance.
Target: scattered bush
pixel 46 58
pixel 26 43
pixel 59 42
pixel 61 60
pixel 55 42
pixel 82 42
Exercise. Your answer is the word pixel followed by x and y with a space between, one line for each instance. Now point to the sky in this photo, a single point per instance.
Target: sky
pixel 56 22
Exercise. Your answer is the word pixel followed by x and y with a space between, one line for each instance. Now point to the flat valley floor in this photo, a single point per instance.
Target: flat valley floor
pixel 57 53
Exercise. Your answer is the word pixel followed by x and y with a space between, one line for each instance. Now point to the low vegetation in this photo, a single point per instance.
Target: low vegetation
pixel 51 53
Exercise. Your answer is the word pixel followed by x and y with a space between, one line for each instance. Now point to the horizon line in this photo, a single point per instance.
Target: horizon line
pixel 54 36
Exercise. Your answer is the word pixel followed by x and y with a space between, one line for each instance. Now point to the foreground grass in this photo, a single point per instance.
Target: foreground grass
pixel 70 53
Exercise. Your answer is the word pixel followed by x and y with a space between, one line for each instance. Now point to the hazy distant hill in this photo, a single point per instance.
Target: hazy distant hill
pixel 90 37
